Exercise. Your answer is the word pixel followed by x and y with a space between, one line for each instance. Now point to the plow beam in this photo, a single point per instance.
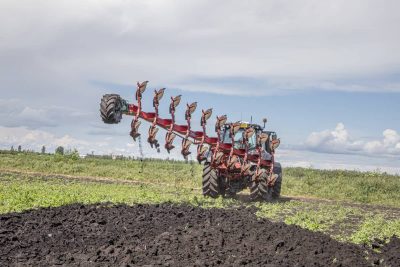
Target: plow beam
pixel 223 154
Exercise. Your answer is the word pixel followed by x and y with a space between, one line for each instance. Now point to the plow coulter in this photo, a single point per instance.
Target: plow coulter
pixel 240 156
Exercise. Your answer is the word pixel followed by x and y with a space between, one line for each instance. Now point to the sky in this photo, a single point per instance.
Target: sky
pixel 326 74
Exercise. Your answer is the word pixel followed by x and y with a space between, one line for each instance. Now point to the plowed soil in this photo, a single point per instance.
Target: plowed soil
pixel 168 235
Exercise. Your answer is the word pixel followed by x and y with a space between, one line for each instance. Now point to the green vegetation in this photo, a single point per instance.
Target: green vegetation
pixel 177 173
pixel 376 226
pixel 346 223
pixel 168 181
pixel 23 192
pixel 359 187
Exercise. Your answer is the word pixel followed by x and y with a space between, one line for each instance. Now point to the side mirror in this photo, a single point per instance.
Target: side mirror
pixel 264 121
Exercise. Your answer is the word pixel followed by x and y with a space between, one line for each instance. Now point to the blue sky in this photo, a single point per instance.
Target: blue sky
pixel 326 74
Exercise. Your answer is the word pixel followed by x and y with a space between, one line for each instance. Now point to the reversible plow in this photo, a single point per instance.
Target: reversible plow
pixel 241 154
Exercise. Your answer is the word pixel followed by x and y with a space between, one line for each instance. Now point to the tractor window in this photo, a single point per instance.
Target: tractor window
pixel 252 142
pixel 225 136
pixel 238 139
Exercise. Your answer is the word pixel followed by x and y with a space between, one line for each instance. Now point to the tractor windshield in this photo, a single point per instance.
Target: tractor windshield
pixel 239 139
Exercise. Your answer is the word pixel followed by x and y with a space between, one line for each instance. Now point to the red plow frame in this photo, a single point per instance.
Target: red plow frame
pixel 223 156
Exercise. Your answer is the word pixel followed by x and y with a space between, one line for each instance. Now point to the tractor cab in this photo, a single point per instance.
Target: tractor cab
pixel 226 137
pixel 238 139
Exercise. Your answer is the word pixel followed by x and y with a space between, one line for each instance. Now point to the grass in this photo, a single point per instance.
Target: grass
pixel 346 222
pixel 19 193
pixel 173 172
pixel 353 224
pixel 360 187
pixel 375 226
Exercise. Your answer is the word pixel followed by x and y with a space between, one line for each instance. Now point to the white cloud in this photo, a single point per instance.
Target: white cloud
pixel 391 137
pixel 15 112
pixel 301 164
pixel 339 141
pixel 309 159
pixel 35 139
pixel 280 45
pixel 389 145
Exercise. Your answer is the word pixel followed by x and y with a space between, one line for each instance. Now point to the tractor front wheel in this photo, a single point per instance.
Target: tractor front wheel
pixel 212 184
pixel 259 189
pixel 111 108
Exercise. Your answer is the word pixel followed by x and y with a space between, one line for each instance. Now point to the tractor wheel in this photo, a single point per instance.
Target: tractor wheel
pixel 110 109
pixel 212 184
pixel 278 183
pixel 260 190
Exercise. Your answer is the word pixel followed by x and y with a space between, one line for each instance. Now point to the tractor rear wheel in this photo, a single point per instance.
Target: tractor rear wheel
pixel 111 108
pixel 212 184
pixel 259 189
pixel 278 182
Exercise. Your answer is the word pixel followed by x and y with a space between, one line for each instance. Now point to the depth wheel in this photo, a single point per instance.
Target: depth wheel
pixel 111 108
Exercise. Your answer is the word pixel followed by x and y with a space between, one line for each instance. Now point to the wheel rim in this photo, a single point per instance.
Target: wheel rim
pixel 117 111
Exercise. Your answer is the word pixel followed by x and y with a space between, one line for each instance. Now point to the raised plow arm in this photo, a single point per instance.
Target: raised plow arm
pixel 221 154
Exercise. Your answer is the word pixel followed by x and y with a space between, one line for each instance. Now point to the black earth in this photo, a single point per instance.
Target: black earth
pixel 170 235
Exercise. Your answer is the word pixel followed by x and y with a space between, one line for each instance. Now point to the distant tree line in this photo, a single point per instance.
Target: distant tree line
pixel 73 153
pixel 122 157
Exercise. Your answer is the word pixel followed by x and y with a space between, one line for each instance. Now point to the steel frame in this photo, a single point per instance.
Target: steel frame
pixel 224 156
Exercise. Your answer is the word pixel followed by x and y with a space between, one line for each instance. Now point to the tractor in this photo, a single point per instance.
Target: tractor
pixel 240 156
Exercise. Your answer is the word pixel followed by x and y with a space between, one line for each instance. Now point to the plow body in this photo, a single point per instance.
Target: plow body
pixel 240 155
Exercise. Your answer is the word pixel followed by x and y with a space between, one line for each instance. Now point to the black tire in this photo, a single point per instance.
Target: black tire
pixel 278 183
pixel 259 190
pixel 111 108
pixel 212 184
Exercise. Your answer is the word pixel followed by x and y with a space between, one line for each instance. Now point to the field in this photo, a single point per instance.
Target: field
pixel 344 210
